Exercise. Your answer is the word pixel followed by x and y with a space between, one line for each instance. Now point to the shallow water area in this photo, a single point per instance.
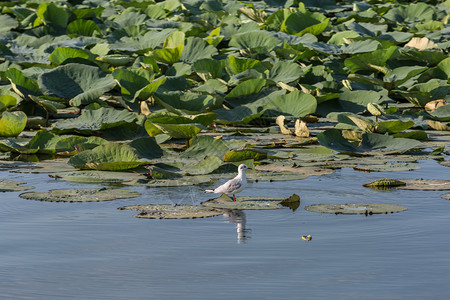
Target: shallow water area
pixel 95 251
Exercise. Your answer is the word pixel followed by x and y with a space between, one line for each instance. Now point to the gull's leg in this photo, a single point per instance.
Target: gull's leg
pixel 234 198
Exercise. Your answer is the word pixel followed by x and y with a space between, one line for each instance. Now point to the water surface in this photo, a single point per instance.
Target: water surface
pixel 94 251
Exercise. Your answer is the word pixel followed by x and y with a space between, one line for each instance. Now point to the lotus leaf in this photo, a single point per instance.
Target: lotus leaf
pixel 169 211
pixel 12 123
pixel 394 126
pixel 82 27
pixel 63 55
pixel 208 68
pixel 73 144
pixel 99 119
pixel 107 157
pixel 197 48
pixel 356 208
pixel 387 168
pixel 244 154
pixel 202 146
pixel 206 166
pixel 296 103
pixel 248 87
pixel 371 143
pixel 22 85
pixel 302 22
pixel 244 203
pixel 13 186
pixel 172 48
pixel 101 177
pixel 426 184
pixel 81 83
pixel 254 40
pixel 147 148
pixel 50 13
pixel 285 72
pixel 80 195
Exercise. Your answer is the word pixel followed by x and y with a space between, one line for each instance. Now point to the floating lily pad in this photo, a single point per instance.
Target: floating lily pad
pixel 387 168
pixel 13 186
pixel 446 196
pixel 80 195
pixel 426 184
pixel 258 203
pixel 356 208
pixel 169 211
pixel 97 177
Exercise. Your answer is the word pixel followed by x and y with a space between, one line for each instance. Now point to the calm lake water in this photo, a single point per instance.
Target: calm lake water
pixel 94 251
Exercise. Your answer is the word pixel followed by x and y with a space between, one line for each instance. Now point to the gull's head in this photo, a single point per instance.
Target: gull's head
pixel 242 167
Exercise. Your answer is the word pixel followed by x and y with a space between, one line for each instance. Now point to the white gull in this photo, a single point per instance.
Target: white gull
pixel 233 186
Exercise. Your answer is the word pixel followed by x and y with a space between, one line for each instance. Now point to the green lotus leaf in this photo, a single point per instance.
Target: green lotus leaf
pixel 116 59
pixel 248 87
pixel 7 101
pixel 356 208
pixel 13 186
pixel 81 83
pixel 254 40
pixel 338 37
pixel 7 23
pixel 444 66
pixel 400 75
pixel 73 144
pixel 107 157
pixel 50 13
pixel 244 154
pixel 207 68
pixel 83 27
pixel 285 72
pixel 22 85
pixel 300 23
pixel 415 134
pixel 99 119
pixel 80 195
pixel 195 49
pixel 394 126
pixel 48 105
pixel 276 19
pixel 201 146
pixel 129 18
pixel 178 131
pixel 349 101
pixel 169 211
pixel 205 166
pixel 296 103
pixel 44 141
pixel 187 102
pixel 442 113
pixel 172 49
pixel 171 118
pixel 63 55
pixel 371 143
pixel 151 88
pixel 132 80
pixel 372 60
pixel 234 65
pixel 414 12
pixel 387 168
pixel 12 123
pixel 244 203
pixel 147 148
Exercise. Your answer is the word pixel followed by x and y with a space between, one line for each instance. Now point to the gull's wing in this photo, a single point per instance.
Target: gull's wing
pixel 230 186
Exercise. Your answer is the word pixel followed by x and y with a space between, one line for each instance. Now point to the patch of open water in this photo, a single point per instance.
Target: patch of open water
pixel 94 251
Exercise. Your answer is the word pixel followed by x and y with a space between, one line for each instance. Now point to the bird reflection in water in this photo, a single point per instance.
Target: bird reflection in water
pixel 236 216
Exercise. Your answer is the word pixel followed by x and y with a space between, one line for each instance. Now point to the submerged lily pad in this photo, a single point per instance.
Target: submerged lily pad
pixel 426 184
pixel 13 186
pixel 259 203
pixel 387 168
pixel 80 195
pixel 169 211
pixel 384 183
pixel 356 208
pixel 97 177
